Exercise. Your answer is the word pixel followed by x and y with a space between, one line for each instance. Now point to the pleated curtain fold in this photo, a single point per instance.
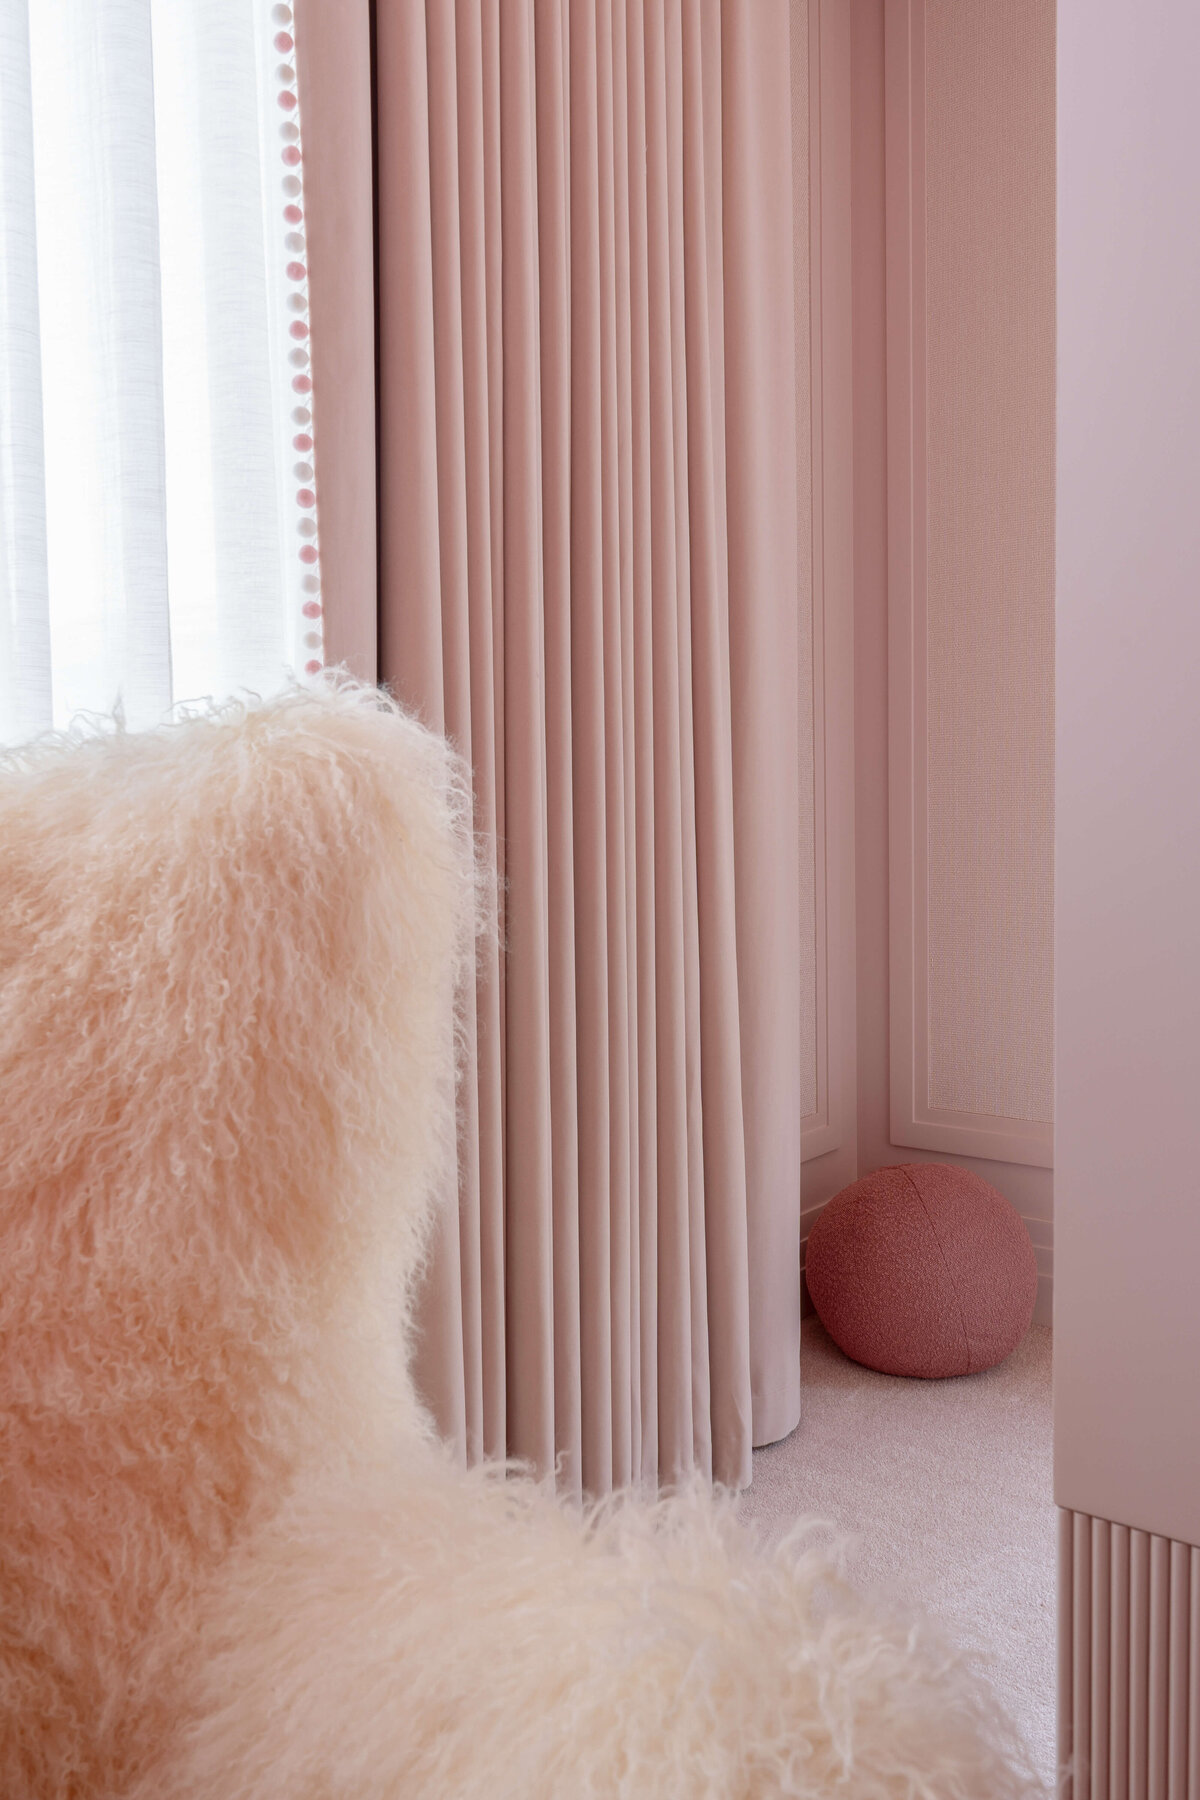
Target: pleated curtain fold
pixel 589 579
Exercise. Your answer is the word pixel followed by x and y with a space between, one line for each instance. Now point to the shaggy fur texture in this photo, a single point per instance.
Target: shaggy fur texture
pixel 227 951
pixel 461 1638
pixel 234 1565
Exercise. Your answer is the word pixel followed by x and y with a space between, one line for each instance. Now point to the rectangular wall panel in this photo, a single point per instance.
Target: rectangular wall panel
pixel 1129 1662
pixel 970 153
pixel 1127 865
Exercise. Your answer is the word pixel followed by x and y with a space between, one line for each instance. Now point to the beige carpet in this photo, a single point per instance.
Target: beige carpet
pixel 946 1489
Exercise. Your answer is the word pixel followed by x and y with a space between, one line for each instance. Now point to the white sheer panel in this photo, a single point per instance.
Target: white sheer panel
pixel 156 487
pixel 101 338
pixel 24 595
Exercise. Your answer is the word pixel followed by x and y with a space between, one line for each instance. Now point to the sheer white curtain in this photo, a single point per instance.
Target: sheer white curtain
pixel 158 535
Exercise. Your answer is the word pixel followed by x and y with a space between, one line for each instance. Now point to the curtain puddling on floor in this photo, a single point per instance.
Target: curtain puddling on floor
pixel 588 535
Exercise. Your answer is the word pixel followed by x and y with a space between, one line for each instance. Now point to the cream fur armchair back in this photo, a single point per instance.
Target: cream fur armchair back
pixel 234 1563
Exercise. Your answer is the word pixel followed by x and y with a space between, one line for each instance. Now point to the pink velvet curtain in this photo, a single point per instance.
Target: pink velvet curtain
pixel 589 580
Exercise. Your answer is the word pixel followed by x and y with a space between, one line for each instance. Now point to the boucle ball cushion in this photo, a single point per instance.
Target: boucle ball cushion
pixel 922 1269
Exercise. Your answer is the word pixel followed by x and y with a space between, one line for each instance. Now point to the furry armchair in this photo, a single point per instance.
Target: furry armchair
pixel 234 1562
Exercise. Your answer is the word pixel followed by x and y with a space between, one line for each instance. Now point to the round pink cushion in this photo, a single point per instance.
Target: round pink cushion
pixel 922 1269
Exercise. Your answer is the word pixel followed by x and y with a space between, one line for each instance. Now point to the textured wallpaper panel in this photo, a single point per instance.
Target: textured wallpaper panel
pixel 811 873
pixel 990 253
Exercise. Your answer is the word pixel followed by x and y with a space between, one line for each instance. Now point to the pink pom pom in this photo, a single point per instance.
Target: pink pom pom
pixel 311 609
pixel 309 553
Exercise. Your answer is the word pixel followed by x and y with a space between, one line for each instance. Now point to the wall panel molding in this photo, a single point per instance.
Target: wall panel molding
pixel 1128 1662
pixel 828 1130
pixel 970 679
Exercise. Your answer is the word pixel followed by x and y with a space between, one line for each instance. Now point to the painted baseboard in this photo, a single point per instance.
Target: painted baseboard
pixel 1128 1662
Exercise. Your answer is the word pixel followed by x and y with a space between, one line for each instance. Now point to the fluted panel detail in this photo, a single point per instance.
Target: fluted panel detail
pixel 1128 1662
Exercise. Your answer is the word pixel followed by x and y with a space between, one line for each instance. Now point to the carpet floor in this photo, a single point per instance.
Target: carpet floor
pixel 945 1490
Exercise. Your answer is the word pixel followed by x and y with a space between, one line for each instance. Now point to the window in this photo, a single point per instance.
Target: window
pixel 158 535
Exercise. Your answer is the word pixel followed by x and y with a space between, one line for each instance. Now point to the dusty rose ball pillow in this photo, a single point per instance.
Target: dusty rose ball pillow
pixel 922 1269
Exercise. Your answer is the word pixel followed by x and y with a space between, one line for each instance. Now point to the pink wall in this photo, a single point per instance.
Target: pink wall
pixel 1127 1313
pixel 1029 1188
pixel 870 587
pixel 828 1131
